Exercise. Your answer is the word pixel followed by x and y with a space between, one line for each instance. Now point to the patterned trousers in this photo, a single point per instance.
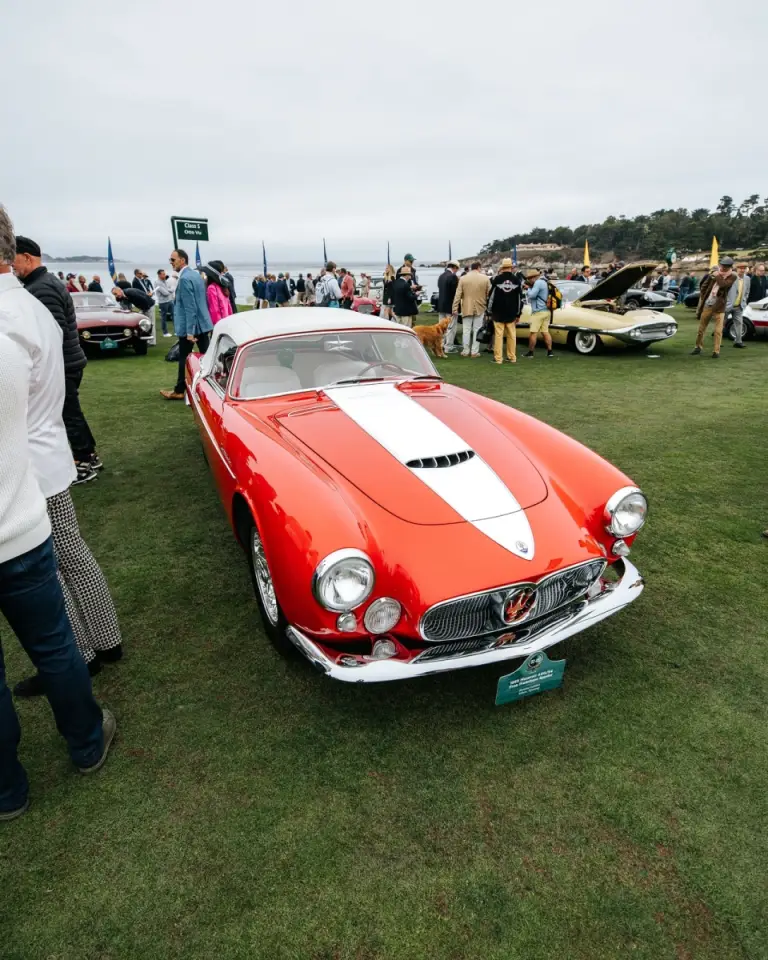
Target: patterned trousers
pixel 89 605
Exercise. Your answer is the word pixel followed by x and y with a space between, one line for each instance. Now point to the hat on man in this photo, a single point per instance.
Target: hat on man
pixel 453 263
pixel 506 264
pixel 530 274
pixel 25 245
pixel 409 256
pixel 726 261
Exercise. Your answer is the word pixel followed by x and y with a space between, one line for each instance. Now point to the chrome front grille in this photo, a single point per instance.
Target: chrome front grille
pixel 463 648
pixel 652 331
pixel 481 613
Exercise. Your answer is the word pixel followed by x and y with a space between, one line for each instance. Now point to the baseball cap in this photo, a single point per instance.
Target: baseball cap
pixel 409 256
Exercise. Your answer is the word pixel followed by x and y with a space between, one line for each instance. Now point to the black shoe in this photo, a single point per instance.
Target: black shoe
pixel 740 346
pixel 95 462
pixel 109 726
pixel 112 655
pixel 85 473
pixel 550 353
pixel 715 355
pixel 696 351
pixel 6 815
pixel 528 355
pixel 94 666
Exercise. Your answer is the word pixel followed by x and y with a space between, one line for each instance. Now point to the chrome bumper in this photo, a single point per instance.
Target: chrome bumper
pixel 627 589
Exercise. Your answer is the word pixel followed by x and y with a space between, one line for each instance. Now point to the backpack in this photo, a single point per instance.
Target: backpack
pixel 327 297
pixel 554 297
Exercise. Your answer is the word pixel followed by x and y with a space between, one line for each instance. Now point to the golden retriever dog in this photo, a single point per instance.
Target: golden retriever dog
pixel 431 335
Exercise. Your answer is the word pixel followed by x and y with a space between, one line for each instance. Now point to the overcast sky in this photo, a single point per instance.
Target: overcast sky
pixel 368 121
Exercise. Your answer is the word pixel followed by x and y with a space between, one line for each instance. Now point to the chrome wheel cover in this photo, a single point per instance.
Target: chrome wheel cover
pixel 585 342
pixel 263 578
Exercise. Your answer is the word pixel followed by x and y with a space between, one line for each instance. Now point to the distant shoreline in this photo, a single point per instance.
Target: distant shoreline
pixel 79 259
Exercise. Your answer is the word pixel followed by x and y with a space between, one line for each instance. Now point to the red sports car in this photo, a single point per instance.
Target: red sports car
pixel 396 525
pixel 102 325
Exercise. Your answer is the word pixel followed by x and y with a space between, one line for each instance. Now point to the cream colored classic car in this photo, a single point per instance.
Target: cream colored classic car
pixel 599 318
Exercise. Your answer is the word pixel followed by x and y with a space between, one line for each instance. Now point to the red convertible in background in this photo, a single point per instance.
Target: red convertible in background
pixel 396 525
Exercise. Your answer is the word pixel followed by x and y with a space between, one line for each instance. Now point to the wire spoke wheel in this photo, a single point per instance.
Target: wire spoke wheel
pixel 263 578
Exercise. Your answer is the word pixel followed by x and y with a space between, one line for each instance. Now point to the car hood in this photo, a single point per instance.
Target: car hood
pixel 619 282
pixel 87 318
pixel 421 452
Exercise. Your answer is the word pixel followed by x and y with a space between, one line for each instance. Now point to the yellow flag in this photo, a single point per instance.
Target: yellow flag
pixel 714 256
pixel 586 254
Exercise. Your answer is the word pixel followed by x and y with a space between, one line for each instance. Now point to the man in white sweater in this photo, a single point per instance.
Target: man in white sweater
pixel 31 599
pixel 88 602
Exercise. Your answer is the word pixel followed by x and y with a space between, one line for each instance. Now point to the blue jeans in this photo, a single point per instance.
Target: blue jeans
pixel 33 604
pixel 166 314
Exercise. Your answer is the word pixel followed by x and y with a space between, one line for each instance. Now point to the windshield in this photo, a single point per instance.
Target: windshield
pixel 312 361
pixel 573 289
pixel 93 301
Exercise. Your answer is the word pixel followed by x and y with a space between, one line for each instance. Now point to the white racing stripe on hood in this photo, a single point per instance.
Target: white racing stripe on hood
pixel 409 432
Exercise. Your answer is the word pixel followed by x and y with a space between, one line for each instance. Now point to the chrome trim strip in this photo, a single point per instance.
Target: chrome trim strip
pixel 191 393
pixel 626 590
pixel 513 586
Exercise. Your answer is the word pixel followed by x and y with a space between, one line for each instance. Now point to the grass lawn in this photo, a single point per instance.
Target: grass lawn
pixel 252 808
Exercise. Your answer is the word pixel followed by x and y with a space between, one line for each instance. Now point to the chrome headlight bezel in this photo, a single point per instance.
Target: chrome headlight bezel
pixel 612 523
pixel 145 324
pixel 332 565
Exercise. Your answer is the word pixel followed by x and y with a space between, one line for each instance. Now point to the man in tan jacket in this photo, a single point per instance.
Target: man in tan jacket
pixel 472 296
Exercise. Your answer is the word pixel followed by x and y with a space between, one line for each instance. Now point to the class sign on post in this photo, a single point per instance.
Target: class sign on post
pixel 190 228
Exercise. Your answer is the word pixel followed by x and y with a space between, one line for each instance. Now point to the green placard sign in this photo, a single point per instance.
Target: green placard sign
pixel 189 228
pixel 537 674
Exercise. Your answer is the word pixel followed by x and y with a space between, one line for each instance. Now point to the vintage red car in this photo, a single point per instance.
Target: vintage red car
pixel 103 326
pixel 397 525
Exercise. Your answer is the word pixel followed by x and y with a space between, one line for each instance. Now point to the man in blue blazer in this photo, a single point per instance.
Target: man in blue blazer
pixel 191 320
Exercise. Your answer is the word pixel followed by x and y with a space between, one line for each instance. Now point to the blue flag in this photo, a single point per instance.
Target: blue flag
pixel 111 261
pixel 198 261
pixel 389 261
pixel 514 254
pixel 264 255
pixel 325 253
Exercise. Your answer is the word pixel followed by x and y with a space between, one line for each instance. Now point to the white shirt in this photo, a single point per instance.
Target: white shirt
pixel 24 522
pixel 29 324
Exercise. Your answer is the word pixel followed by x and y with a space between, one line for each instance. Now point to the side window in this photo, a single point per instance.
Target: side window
pixel 222 364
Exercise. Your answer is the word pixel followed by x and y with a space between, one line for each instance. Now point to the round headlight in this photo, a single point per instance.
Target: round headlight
pixel 671 329
pixel 625 512
pixel 382 615
pixel 127 331
pixel 145 324
pixel 343 580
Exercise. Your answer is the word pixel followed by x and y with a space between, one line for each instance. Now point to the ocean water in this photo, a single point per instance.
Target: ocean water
pixel 243 273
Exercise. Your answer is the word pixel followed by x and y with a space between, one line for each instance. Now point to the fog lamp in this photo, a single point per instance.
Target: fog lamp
pixel 383 650
pixel 86 334
pixel 382 615
pixel 620 549
pixel 347 623
pixel 127 331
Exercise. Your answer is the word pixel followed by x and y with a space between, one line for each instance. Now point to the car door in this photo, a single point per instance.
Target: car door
pixel 210 392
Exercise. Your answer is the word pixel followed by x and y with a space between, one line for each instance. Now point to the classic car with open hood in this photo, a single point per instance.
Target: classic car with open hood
pixel 600 318
pixel 396 525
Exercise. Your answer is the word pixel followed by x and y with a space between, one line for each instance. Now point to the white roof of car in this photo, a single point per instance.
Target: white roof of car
pixel 248 325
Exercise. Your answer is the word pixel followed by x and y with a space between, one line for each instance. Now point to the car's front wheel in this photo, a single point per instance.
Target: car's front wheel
pixel 585 342
pixel 749 330
pixel 264 587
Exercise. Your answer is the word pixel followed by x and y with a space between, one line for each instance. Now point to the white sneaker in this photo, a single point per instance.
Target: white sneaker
pixel 167 334
pixel 465 354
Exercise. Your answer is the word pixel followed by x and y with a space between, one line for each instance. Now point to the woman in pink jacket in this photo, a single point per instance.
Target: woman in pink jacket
pixel 218 299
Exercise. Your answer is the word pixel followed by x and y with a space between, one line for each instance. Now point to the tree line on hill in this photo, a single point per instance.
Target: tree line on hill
pixel 652 235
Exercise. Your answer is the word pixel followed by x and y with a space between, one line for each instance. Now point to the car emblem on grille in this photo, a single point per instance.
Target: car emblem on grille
pixel 518 604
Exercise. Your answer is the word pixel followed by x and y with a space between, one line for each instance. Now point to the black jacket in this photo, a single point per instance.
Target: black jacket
pixel 94 287
pixel 138 298
pixel 301 285
pixel 404 299
pixel 230 290
pixel 505 303
pixel 758 288
pixel 446 291
pixel 52 293
pixel 138 284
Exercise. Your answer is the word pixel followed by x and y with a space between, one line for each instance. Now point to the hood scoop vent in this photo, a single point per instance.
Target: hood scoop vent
pixel 447 460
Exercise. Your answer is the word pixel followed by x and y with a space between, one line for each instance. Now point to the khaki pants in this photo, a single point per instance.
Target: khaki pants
pixel 498 340
pixel 406 321
pixel 707 314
